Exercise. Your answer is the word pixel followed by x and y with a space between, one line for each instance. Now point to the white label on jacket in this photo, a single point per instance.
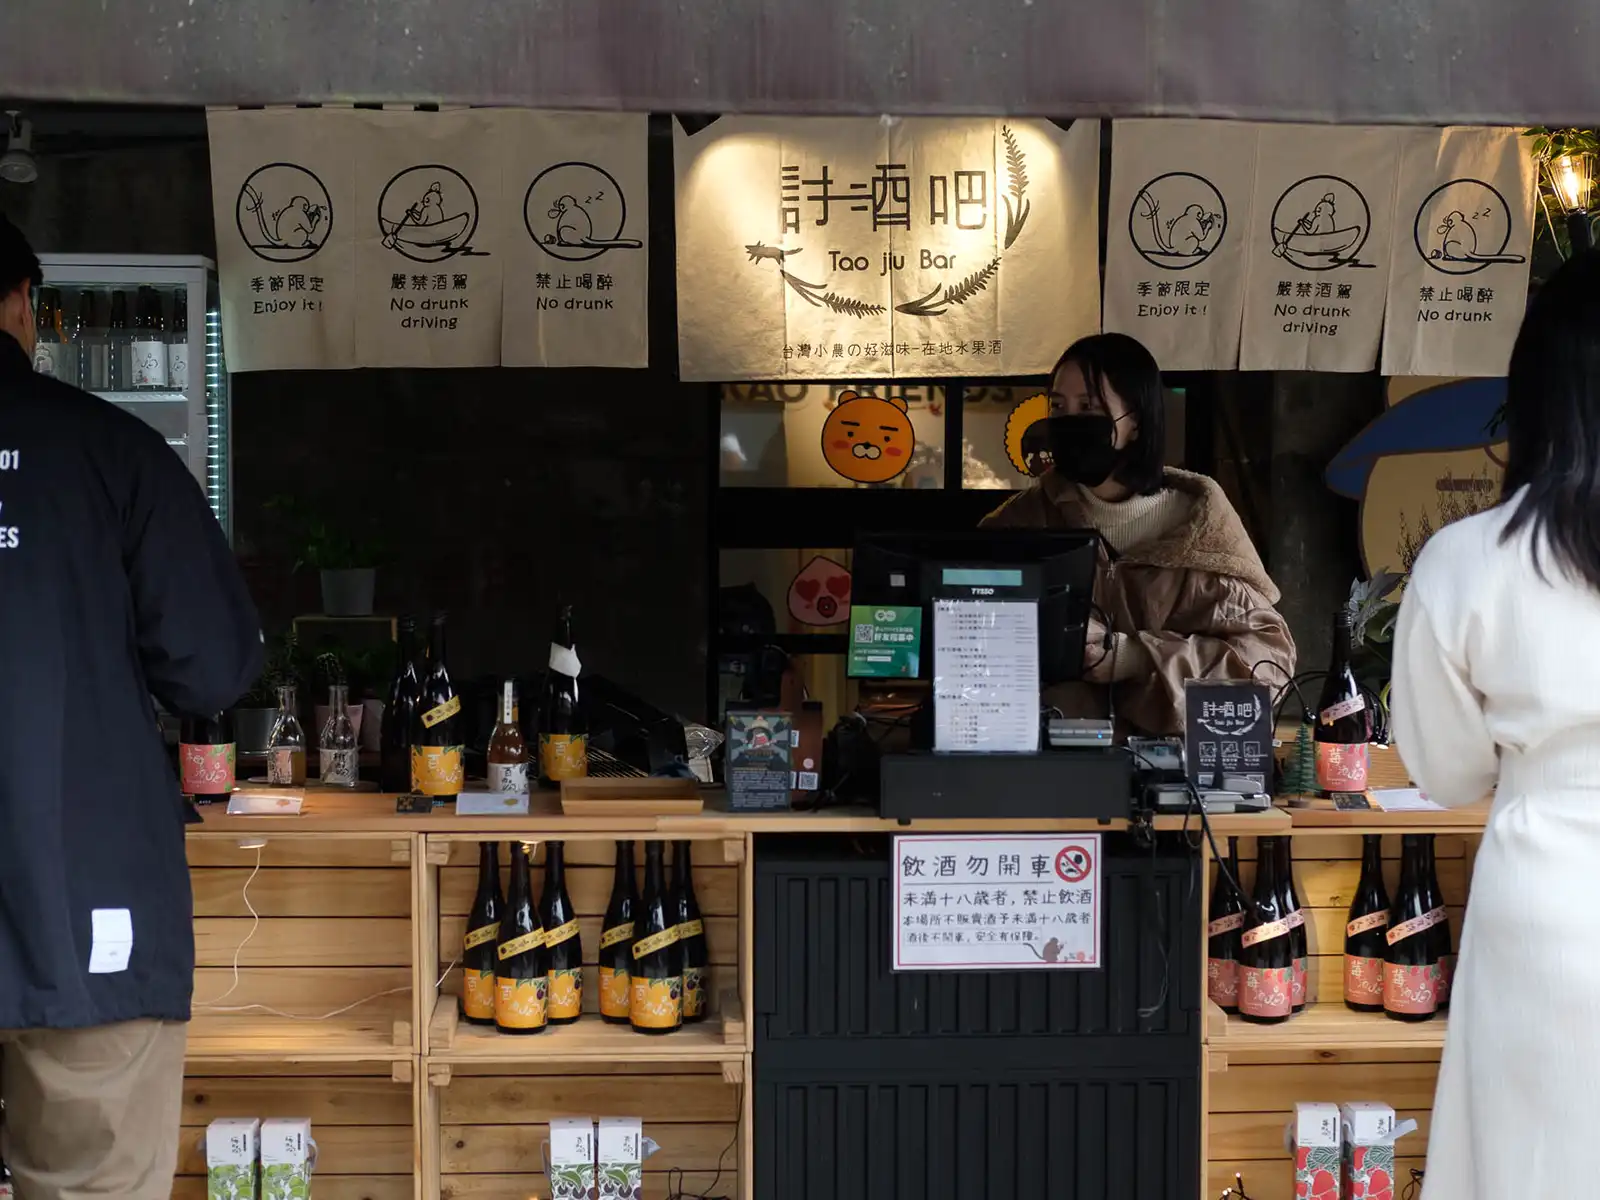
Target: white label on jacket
pixel 112 943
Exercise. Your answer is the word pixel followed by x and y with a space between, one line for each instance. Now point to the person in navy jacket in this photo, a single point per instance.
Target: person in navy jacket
pixel 116 585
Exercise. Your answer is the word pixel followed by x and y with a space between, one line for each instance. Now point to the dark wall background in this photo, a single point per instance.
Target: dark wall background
pixel 497 493
pixel 501 493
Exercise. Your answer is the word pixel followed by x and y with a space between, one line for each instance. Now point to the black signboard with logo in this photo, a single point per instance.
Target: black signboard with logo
pixel 1227 735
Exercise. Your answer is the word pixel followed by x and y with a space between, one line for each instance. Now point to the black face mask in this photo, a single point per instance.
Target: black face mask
pixel 1080 448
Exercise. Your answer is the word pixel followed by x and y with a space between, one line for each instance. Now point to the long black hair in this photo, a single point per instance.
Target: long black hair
pixel 1553 420
pixel 1122 363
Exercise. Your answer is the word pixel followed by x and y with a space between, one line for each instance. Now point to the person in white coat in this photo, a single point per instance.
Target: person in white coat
pixel 1497 688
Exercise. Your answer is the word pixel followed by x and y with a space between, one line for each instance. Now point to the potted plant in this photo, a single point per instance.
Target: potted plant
pixel 371 671
pixel 255 713
pixel 349 569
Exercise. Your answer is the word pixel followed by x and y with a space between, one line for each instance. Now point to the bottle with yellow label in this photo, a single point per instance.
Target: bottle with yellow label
pixel 478 953
pixel 616 940
pixel 691 935
pixel 563 728
pixel 655 1004
pixel 563 946
pixel 522 983
pixel 437 766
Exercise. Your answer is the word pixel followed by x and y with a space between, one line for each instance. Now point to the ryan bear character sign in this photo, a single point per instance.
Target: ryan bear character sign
pixel 867 439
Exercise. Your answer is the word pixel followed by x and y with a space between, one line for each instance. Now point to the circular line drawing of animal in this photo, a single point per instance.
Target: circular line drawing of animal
pixel 868 439
pixel 576 211
pixel 1186 239
pixel 286 232
pixel 425 231
pixel 1331 228
pixel 1464 226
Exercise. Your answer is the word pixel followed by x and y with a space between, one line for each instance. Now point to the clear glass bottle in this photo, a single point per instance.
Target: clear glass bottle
pixel 337 756
pixel 508 751
pixel 286 748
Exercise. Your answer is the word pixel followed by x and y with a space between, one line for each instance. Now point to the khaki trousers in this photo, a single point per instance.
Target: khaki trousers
pixel 93 1112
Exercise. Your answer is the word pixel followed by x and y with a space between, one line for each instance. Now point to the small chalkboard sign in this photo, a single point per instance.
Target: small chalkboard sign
pixel 413 804
pixel 1228 735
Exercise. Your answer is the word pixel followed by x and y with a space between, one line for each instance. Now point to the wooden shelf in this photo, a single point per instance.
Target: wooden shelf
pixel 338 810
pixel 374 1036
pixel 720 1038
pixel 1320 819
pixel 1321 1027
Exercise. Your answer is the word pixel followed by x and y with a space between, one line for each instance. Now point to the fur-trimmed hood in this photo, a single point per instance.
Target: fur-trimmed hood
pixel 1210 538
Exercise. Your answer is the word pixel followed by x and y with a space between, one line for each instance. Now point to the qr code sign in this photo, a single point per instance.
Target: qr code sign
pixel 865 633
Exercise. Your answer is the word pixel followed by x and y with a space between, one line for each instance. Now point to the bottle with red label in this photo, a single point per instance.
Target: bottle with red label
pixel 1444 946
pixel 207 756
pixel 1295 917
pixel 1363 932
pixel 1411 960
pixel 1266 954
pixel 1225 921
pixel 1344 726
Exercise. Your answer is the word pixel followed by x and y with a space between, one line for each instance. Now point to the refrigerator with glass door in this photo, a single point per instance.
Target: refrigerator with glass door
pixel 145 332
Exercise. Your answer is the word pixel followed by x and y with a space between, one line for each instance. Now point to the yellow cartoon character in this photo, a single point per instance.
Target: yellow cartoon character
pixel 867 439
pixel 1026 446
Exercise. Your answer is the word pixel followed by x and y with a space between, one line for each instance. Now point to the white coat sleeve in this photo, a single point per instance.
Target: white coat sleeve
pixel 1437 714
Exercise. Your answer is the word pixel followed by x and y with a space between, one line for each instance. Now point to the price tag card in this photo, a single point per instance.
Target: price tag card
pixel 492 804
pixel 274 802
pixel 413 804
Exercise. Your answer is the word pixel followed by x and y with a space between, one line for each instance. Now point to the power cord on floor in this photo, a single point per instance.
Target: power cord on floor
pixel 238 952
pixel 676 1175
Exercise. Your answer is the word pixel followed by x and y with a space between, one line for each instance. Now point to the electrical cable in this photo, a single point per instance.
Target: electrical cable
pixel 1293 682
pixel 238 952
pixel 676 1175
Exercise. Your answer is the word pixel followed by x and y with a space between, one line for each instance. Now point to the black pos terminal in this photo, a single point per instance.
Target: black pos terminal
pixel 996 617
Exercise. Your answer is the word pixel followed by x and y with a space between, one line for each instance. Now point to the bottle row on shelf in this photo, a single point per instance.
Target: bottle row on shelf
pixel 422 735
pixel 523 964
pixel 87 337
pixel 1398 954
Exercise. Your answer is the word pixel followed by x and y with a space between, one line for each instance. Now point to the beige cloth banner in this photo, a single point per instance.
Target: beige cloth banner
pixel 851 248
pixel 1319 247
pixel 1177 230
pixel 1458 279
pixel 577 263
pixel 283 190
pixel 430 238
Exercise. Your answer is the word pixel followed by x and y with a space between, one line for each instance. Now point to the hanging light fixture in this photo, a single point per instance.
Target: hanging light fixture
pixel 1572 184
pixel 17 165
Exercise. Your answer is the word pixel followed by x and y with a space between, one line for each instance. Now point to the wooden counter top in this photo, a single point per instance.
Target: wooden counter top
pixel 1322 817
pixel 333 811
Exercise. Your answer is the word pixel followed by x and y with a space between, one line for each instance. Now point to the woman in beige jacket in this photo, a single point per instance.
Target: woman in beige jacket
pixel 1181 592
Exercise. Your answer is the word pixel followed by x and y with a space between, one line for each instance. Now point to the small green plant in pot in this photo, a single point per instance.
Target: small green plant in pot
pixel 349 569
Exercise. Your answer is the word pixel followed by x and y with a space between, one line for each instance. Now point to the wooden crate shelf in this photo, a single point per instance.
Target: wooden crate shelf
pixel 243 1037
pixel 720 1038
pixel 1325 1026
pixel 1256 1073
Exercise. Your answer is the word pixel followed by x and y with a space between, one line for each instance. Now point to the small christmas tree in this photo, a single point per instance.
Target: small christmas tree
pixel 1300 773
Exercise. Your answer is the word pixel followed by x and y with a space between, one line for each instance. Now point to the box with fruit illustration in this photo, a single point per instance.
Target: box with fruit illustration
pixel 1313 1137
pixel 1369 1133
